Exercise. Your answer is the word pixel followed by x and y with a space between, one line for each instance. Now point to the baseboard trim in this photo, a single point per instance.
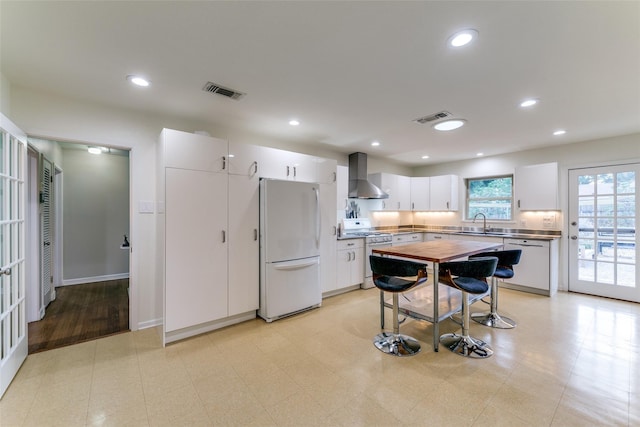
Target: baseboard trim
pixel 81 280
pixel 150 323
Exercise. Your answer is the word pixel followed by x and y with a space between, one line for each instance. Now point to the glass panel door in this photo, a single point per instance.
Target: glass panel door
pixel 13 323
pixel 603 246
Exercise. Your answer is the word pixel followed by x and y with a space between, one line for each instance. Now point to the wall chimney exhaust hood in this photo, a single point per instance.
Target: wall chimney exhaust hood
pixel 359 186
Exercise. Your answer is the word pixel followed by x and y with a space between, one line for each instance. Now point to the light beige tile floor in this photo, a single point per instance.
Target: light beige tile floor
pixel 573 360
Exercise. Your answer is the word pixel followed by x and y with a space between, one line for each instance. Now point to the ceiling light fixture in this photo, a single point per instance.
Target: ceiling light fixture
pixel 449 124
pixel 462 38
pixel 294 122
pixel 425 157
pixel 94 150
pixel 479 154
pixel 560 132
pixel 528 103
pixel 138 81
pixel 375 144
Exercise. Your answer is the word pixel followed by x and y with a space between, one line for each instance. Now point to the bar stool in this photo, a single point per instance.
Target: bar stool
pixel 506 261
pixel 470 277
pixel 392 275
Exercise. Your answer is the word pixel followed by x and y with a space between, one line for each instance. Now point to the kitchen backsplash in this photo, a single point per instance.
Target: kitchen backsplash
pixel 370 209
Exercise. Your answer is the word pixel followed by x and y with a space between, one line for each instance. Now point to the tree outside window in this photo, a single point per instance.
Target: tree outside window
pixel 492 196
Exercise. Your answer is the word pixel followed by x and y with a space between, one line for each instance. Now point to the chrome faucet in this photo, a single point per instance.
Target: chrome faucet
pixel 484 221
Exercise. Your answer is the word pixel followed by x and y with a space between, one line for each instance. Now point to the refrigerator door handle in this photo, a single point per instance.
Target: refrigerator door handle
pixel 295 265
pixel 315 190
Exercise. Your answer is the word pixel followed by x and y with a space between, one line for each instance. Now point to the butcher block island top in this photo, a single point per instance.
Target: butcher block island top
pixel 438 250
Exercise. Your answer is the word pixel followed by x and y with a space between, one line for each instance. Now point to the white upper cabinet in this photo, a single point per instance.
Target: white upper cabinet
pixel 420 193
pixel 244 159
pixel 398 188
pixel 536 187
pixel 342 187
pixel 186 150
pixel 443 193
pixel 326 170
pixel 282 164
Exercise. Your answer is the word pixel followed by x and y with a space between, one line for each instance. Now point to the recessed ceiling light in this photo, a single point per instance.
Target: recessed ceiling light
pixel 528 103
pixel 462 38
pixel 138 81
pixel 94 150
pixel 449 124
pixel 375 144
pixel 479 154
pixel 560 132
pixel 294 122
pixel 425 157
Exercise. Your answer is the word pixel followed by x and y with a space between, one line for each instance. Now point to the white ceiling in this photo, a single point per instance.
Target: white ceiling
pixel 351 72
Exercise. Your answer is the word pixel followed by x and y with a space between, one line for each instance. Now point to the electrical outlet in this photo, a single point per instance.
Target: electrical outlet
pixel 548 221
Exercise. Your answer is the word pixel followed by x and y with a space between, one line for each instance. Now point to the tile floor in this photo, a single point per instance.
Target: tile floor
pixel 573 360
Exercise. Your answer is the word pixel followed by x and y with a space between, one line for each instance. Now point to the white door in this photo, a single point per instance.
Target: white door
pixel 46 227
pixel 603 244
pixel 13 320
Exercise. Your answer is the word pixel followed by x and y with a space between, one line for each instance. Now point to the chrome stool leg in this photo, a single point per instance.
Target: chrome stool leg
pixel 493 319
pixel 396 343
pixel 464 345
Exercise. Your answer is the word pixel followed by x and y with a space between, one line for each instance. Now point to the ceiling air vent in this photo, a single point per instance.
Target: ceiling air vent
pixel 433 117
pixel 221 90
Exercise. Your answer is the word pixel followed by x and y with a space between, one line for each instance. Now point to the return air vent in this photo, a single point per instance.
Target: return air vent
pixel 221 90
pixel 433 117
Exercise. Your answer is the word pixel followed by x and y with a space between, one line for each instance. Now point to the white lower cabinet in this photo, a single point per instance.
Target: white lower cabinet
pixel 328 235
pixel 435 236
pixel 195 248
pixel 350 263
pixel 244 245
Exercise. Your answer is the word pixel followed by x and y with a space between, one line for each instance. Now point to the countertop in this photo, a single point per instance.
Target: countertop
pixel 503 233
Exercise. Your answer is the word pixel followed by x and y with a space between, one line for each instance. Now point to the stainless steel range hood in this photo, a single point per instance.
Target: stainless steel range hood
pixel 359 186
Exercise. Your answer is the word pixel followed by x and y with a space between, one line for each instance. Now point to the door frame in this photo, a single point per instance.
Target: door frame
pixel 571 245
pixel 133 222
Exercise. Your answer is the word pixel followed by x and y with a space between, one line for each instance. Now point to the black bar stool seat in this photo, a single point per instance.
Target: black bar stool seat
pixel 506 260
pixel 470 278
pixel 396 276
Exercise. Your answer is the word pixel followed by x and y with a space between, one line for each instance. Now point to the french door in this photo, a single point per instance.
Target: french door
pixel 13 320
pixel 603 243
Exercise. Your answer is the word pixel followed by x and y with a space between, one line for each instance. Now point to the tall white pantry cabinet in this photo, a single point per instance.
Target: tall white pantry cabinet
pixel 207 234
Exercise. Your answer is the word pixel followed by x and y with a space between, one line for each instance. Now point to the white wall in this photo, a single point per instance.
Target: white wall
pixel 96 215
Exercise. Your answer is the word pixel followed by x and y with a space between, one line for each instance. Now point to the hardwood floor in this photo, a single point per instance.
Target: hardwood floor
pixel 82 313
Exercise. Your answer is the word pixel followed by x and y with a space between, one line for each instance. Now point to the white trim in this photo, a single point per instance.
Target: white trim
pixel 149 324
pixel 191 331
pixel 105 278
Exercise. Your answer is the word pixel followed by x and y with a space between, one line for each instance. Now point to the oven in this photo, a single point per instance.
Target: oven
pixel 377 241
pixel 361 227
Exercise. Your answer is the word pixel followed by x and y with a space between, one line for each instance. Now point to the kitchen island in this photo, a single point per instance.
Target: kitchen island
pixel 420 303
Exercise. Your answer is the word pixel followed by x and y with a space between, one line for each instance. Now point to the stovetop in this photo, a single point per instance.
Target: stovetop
pixel 361 227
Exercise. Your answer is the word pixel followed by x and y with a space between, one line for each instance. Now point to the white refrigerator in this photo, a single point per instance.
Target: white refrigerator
pixel 289 248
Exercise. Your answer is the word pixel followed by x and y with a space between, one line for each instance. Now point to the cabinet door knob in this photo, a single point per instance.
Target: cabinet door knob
pixel 255 234
pixel 574 237
pixel 224 236
pixel 255 167
pixel 224 162
pixel 287 170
